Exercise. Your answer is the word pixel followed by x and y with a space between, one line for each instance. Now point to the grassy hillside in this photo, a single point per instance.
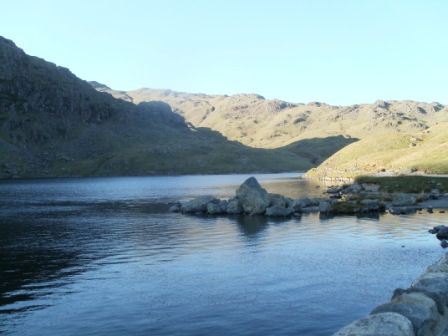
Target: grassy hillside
pixel 391 152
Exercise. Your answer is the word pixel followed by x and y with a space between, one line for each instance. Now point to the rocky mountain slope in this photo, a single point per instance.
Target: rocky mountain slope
pixel 314 130
pixel 55 124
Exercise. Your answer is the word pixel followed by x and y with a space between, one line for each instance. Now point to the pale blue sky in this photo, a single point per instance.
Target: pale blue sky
pixel 336 51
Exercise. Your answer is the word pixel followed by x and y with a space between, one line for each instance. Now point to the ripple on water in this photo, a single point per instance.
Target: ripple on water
pixel 115 261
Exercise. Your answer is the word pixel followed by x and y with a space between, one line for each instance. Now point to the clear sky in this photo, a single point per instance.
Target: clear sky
pixel 340 52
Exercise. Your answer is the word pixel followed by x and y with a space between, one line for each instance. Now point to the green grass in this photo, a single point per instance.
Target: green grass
pixel 391 151
pixel 407 184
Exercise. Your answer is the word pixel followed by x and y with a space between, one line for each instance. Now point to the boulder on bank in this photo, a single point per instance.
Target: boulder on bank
pixel 254 199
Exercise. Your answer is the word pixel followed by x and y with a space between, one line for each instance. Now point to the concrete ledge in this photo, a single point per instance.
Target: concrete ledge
pixel 420 310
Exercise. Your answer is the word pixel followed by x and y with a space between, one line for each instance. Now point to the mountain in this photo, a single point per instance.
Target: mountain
pixel 55 124
pixel 317 130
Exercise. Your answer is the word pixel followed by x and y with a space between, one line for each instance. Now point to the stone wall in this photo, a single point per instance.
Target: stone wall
pixel 419 310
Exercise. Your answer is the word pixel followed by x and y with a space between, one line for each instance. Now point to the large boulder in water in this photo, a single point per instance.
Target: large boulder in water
pixel 199 204
pixel 253 197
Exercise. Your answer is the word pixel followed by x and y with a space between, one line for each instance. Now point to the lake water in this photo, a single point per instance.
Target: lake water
pixel 103 256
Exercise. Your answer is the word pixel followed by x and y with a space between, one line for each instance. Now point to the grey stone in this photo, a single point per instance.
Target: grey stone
pixel 384 324
pixel 198 204
pixel 442 232
pixel 300 203
pixel 275 199
pixel 402 210
pixel 325 206
pixel 441 266
pixel 371 204
pixel 436 282
pixel 279 211
pixel 310 209
pixel 434 194
pixel 352 189
pixel 314 201
pixel 214 209
pixel 234 206
pixel 404 200
pixel 420 309
pixel 223 204
pixel 334 190
pixel 253 197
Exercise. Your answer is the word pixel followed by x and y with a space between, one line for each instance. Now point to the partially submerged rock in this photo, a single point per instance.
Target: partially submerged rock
pixel 253 197
pixel 279 211
pixel 234 206
pixel 199 204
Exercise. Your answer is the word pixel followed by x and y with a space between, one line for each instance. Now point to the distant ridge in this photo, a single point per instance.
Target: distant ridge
pixel 315 130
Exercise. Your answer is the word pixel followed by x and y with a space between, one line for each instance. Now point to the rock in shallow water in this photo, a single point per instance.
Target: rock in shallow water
pixel 279 211
pixel 254 199
pixel 199 204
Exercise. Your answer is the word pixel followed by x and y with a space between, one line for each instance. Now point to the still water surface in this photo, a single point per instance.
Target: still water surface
pixel 103 256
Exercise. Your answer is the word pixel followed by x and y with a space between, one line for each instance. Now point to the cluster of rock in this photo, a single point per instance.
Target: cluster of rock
pixel 441 232
pixel 397 204
pixel 420 310
pixel 252 199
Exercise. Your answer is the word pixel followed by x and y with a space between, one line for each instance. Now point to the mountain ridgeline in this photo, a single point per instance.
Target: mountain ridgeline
pixel 396 136
pixel 55 124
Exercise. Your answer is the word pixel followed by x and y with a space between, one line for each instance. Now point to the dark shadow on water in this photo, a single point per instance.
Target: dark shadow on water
pixel 251 226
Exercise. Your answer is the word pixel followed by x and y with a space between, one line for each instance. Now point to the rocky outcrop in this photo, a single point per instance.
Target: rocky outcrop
pixel 420 310
pixel 254 199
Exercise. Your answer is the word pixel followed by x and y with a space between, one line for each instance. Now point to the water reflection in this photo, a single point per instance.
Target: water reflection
pixel 251 226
